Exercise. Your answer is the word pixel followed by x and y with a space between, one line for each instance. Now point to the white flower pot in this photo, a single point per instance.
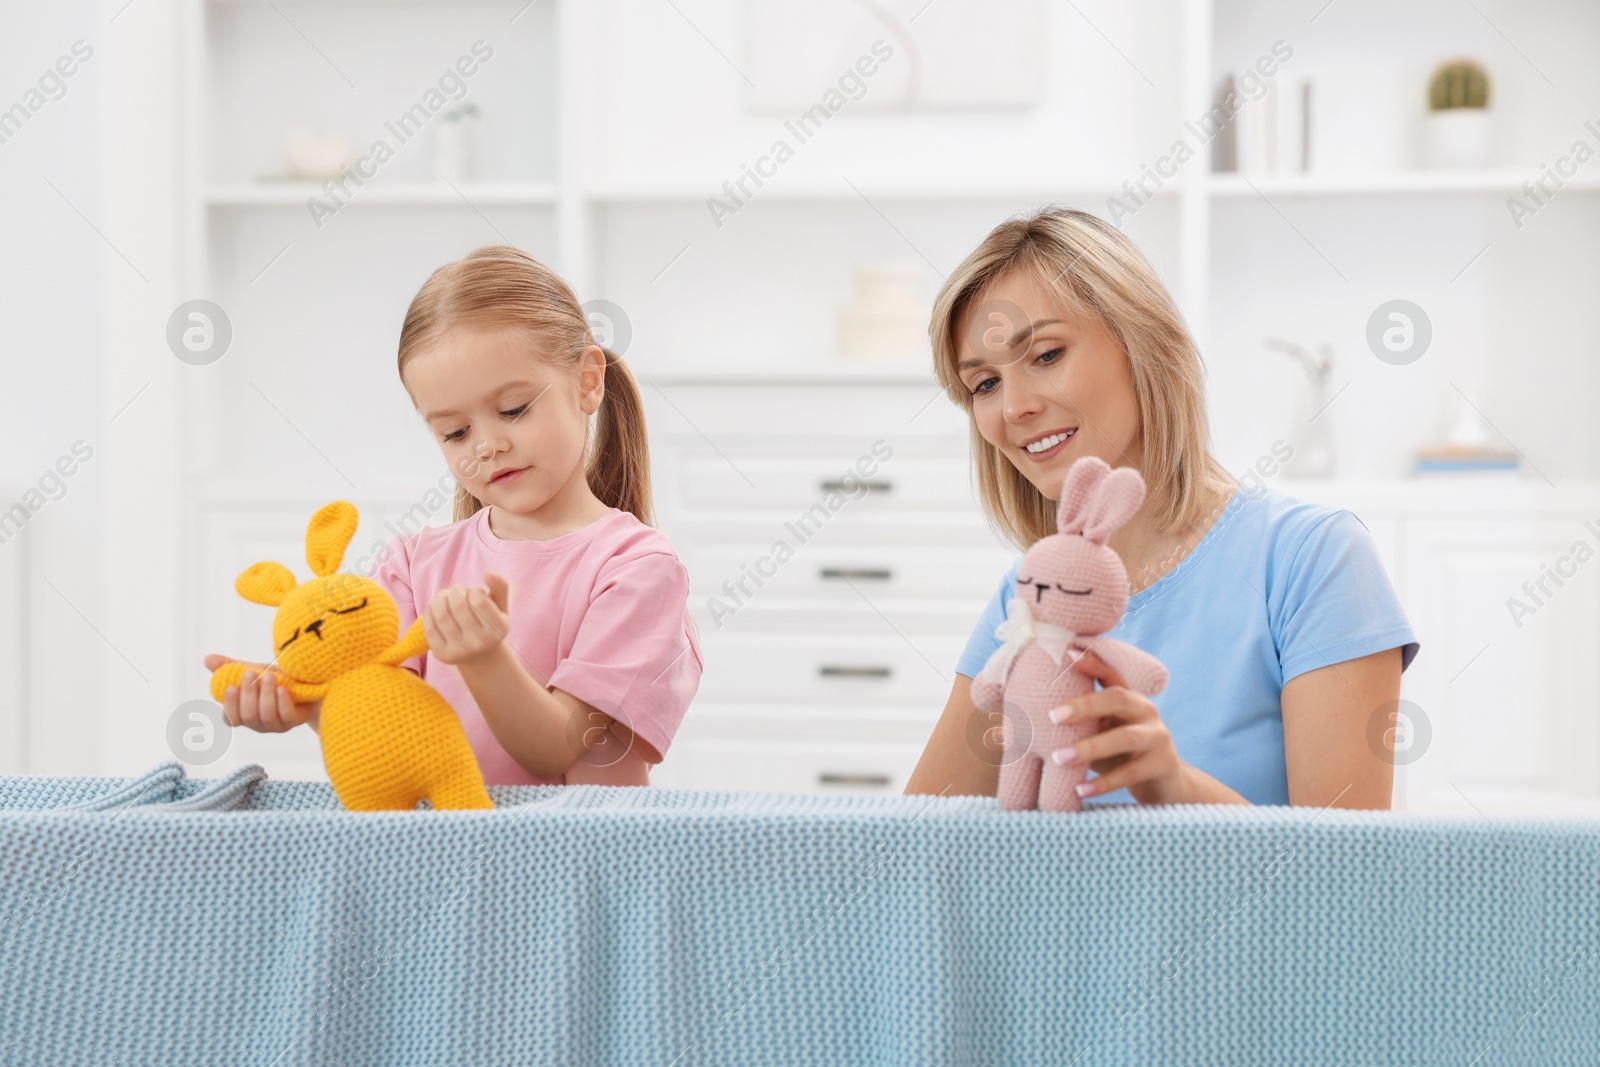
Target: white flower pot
pixel 1457 137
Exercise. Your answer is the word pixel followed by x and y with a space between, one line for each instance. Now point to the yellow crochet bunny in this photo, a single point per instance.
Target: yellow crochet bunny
pixel 388 737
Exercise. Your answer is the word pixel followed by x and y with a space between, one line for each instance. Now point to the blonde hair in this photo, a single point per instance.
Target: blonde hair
pixel 503 286
pixel 1094 269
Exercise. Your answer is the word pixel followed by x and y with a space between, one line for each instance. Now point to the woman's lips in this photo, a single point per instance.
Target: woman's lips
pixel 507 476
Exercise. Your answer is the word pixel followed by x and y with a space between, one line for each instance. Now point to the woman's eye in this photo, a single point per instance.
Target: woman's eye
pixel 979 390
pixel 514 412
pixel 1046 357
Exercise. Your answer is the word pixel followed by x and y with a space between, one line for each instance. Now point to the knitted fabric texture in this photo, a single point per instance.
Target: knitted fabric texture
pixel 1071 587
pixel 596 925
pixel 388 738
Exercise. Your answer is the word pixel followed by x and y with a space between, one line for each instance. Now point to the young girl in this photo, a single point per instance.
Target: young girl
pixel 1282 635
pixel 557 618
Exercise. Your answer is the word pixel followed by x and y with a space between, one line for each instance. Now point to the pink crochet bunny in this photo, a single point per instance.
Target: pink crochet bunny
pixel 1071 587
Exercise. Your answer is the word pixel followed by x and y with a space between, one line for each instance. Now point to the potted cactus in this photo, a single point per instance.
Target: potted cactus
pixel 1458 130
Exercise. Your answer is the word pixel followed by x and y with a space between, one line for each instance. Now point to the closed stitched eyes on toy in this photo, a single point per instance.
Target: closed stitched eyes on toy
pixel 1041 588
pixel 316 627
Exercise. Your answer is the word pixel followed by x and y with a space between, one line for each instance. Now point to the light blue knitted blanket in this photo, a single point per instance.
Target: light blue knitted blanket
pixel 165 920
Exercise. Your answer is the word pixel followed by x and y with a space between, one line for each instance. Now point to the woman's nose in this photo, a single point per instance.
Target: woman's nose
pixel 1022 398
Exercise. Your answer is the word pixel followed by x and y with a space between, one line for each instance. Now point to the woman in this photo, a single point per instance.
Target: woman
pixel 1281 632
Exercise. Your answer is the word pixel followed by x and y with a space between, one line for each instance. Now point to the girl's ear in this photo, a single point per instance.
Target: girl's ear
pixel 265 583
pixel 1076 492
pixel 592 379
pixel 1116 498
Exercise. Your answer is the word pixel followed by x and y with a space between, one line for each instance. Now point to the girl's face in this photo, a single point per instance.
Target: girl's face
pixel 1048 385
pixel 512 426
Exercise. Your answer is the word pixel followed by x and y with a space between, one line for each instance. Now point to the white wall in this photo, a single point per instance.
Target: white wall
pixel 53 395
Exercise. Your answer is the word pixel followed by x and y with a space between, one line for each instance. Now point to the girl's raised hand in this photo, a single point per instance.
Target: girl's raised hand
pixel 465 625
pixel 262 704
pixel 1132 749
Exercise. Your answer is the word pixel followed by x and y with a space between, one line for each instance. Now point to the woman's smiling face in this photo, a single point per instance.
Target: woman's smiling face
pixel 1040 374
pixel 511 425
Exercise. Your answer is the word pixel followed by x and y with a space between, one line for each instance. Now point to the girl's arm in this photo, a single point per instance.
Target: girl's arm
pixel 544 730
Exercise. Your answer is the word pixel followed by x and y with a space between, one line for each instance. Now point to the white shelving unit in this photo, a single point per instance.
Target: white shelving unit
pixel 607 125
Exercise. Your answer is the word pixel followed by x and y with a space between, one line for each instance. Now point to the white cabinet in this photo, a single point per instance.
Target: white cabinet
pixel 837 561
pixel 1502 701
pixel 1512 684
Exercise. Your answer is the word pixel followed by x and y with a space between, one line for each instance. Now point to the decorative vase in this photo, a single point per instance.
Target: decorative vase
pixel 887 319
pixel 1312 453
pixel 312 156
pixel 454 150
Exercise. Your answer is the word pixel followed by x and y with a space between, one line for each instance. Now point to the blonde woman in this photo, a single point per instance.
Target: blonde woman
pixel 1282 634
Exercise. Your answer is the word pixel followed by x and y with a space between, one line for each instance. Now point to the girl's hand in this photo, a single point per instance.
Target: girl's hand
pixel 464 625
pixel 262 704
pixel 1132 747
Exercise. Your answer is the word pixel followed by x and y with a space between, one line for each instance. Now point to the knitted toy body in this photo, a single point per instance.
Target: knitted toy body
pixel 388 738
pixel 1071 587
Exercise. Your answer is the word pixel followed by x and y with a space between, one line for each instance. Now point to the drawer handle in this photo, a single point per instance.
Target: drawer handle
pixel 837 485
pixel 877 574
pixel 828 670
pixel 832 778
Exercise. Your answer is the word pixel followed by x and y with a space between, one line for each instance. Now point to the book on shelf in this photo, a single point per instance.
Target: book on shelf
pixel 1465 460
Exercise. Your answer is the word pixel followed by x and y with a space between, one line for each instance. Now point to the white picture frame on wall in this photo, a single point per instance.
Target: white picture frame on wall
pixel 947 55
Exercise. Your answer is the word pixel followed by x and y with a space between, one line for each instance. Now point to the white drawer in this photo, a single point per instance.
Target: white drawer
pixel 828 484
pixel 885 529
pixel 847 573
pixel 788 766
pixel 825 669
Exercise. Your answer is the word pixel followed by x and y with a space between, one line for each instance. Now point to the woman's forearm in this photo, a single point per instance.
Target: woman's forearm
pixel 525 717
pixel 1194 786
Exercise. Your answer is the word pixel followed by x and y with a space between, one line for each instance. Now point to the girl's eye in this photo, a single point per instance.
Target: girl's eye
pixel 456 435
pixel 514 412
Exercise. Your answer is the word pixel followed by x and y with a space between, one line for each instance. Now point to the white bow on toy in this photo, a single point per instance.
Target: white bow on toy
pixel 1019 629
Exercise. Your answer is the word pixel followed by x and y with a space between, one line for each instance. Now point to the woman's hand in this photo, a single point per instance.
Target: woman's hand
pixel 1131 749
pixel 466 625
pixel 262 704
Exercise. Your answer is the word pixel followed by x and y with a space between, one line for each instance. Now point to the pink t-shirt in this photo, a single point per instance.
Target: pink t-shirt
pixel 601 613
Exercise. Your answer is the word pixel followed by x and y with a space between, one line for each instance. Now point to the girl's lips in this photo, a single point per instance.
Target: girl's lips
pixel 1040 457
pixel 507 476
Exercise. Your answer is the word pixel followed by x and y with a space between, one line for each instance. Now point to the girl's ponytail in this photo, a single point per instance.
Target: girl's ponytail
pixel 504 286
pixel 619 466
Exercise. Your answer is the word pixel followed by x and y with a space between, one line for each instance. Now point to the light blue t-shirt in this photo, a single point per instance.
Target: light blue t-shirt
pixel 1277 587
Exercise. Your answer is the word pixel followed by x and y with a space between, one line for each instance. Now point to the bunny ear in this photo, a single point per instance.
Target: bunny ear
pixel 1116 498
pixel 1077 491
pixel 328 534
pixel 265 583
